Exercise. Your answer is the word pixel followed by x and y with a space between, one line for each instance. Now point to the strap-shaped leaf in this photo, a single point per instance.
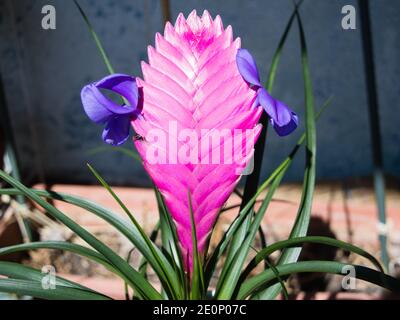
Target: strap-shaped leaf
pixel 253 180
pixel 162 266
pixel 121 224
pixel 96 39
pixel 261 280
pixel 134 278
pixel 169 239
pixel 296 242
pixel 228 283
pixel 304 213
pixel 18 271
pixel 35 289
pixel 197 284
pixel 236 244
pixel 61 245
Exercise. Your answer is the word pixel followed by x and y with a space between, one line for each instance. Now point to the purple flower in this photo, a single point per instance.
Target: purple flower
pixel 282 118
pixel 102 110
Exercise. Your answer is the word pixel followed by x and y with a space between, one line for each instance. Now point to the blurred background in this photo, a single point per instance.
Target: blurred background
pixel 49 139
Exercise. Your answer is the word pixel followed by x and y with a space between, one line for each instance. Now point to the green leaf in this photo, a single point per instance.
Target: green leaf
pixel 296 242
pixel 228 282
pixel 96 39
pixel 35 289
pixel 162 267
pixel 126 286
pixel 253 180
pixel 304 213
pixel 169 239
pixel 236 243
pixel 143 263
pixel 197 288
pixel 261 280
pixel 134 278
pixel 278 52
pixel 113 219
pixel 19 271
pixel 61 245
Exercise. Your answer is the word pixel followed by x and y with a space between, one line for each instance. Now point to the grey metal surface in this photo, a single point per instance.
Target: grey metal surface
pixel 44 70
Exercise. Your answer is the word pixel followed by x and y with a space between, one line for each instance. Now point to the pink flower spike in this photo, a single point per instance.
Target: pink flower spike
pixel 192 91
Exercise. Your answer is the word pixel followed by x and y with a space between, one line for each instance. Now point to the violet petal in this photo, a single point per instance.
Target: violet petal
pixel 117 128
pixel 247 67
pixel 267 102
pixel 94 104
pixel 99 107
pixel 122 84
pixel 287 120
pixel 283 119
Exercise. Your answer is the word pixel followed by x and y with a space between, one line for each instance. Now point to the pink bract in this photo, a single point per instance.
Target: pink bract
pixel 192 80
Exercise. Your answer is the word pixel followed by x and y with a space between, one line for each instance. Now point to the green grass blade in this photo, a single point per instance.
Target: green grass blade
pixel 34 289
pixel 304 213
pixel 278 52
pixel 61 245
pixel 236 243
pixel 363 273
pixel 228 282
pixel 163 268
pixel 253 180
pixel 169 237
pixel 96 39
pixel 197 277
pixel 143 263
pixel 134 278
pixel 113 219
pixel 296 242
pixel 374 123
pixel 18 271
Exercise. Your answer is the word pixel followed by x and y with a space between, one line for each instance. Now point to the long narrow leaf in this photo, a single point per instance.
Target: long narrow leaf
pixel 163 267
pixel 95 38
pixel 197 287
pixel 134 278
pixel 236 244
pixel 361 272
pixel 18 271
pixel 304 213
pixel 112 218
pixel 253 180
pixel 35 289
pixel 61 245
pixel 230 279
pixel 295 242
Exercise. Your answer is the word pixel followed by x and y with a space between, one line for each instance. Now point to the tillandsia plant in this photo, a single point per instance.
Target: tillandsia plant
pixel 199 84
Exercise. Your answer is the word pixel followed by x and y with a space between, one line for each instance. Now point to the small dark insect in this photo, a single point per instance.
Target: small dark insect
pixel 138 137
